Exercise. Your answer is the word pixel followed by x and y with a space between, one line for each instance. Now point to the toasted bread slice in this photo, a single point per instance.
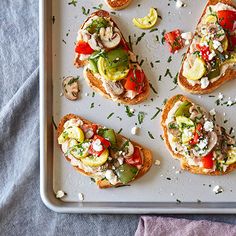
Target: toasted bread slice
pixel 97 85
pixel 117 4
pixel 184 164
pixel 229 74
pixel 147 155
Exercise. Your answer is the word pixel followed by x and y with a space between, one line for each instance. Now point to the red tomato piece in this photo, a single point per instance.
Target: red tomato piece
pixel 205 51
pixel 86 128
pixel 227 19
pixel 124 45
pixel 134 80
pixel 83 48
pixel 207 161
pixel 196 136
pixel 232 42
pixel 105 144
pixel 174 40
pixel 135 159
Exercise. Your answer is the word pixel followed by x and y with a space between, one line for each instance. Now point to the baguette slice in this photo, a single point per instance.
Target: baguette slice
pixel 230 74
pixel 117 4
pixel 147 155
pixel 184 164
pixel 96 84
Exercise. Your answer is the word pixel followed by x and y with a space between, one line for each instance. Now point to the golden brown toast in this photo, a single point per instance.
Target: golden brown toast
pixel 117 4
pixel 147 155
pixel 184 164
pixel 229 74
pixel 96 84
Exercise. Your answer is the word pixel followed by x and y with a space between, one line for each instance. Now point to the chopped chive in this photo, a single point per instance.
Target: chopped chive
pixel 169 59
pixel 150 135
pixel 73 2
pixel 140 38
pixel 157 39
pixel 141 116
pixel 160 77
pixel 153 89
pixel 54 124
pixel 153 30
pixel 151 63
pixel 128 111
pixel 156 114
pixel 168 73
pixel 92 105
pixel 109 116
pixel 120 130
pixel 141 62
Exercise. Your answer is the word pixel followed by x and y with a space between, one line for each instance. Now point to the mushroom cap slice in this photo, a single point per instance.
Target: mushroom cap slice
pixel 109 38
pixel 70 87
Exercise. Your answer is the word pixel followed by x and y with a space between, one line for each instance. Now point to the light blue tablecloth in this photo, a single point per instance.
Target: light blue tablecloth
pixel 21 209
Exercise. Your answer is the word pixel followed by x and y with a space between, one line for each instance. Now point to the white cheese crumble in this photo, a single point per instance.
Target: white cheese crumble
pixel 208 126
pixel 86 94
pixel 202 144
pixel 216 44
pixel 157 162
pixel 180 4
pixel 111 177
pixel 212 112
pixel 220 96
pixel 120 160
pixel 211 55
pixel 81 196
pixel 229 103
pixel 204 82
pixel 217 189
pixel 134 130
pixel 73 122
pixel 187 35
pixel 187 133
pixel 97 146
pixel 60 194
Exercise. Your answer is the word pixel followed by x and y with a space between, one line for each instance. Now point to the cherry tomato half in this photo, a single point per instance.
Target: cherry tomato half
pixel 227 19
pixel 207 161
pixel 134 80
pixel 135 159
pixel 83 48
pixel 174 40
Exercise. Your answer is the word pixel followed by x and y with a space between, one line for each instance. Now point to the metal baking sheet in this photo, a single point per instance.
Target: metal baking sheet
pixel 163 188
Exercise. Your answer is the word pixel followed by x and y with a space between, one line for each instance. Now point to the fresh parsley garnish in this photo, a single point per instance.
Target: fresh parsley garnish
pixel 128 111
pixel 73 2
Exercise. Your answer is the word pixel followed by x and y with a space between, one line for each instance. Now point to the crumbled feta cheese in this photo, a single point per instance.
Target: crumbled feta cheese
pixel 187 133
pixel 216 44
pixel 211 55
pixel 217 189
pixel 179 4
pixel 73 122
pixel 172 194
pixel 132 110
pixel 212 112
pixel 177 172
pixel 204 82
pixel 226 56
pixel 202 144
pixel 157 162
pixel 208 126
pixel 187 35
pixel 97 146
pixel 220 49
pixel 60 194
pixel 134 130
pixel 229 103
pixel 187 42
pixel 220 96
pixel 120 160
pixel 81 196
pixel 111 177
pixel 86 94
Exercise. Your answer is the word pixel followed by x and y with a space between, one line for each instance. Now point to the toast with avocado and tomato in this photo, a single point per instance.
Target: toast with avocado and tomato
pixel 108 158
pixel 210 60
pixel 117 4
pixel 193 137
pixel 110 67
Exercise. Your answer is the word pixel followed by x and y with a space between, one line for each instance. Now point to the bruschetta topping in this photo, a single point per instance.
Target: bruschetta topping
pixel 193 133
pixel 109 58
pixel 212 50
pixel 100 151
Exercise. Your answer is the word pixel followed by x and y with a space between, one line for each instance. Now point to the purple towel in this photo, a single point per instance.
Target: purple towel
pixel 160 226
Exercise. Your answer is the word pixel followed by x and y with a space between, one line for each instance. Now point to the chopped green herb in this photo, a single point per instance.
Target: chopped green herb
pixel 159 77
pixel 178 201
pixel 160 17
pixel 120 130
pixel 161 138
pixel 174 88
pixel 151 63
pixel 93 94
pixel 141 116
pixel 156 114
pixel 128 111
pixel 152 30
pixel 165 101
pixel 84 11
pixel 153 89
pixel 130 43
pixel 118 117
pixel 73 2
pixel 157 39
pixel 109 116
pixel 176 78
pixel 63 41
pixel 141 62
pixel 168 73
pixel 73 80
pixel 140 38
pixel 150 135
pixel 169 59
pixel 93 180
pixel 100 6
pixel 92 105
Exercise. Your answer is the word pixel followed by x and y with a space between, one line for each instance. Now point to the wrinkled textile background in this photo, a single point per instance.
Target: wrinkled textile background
pixel 21 209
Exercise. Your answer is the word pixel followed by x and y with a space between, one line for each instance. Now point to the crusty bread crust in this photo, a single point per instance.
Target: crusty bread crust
pixel 184 164
pixel 117 4
pixel 147 155
pixel 96 84
pixel 230 73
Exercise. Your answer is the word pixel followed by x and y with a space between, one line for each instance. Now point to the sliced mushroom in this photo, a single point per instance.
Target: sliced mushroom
pixel 212 141
pixel 173 129
pixel 198 113
pixel 129 150
pixel 109 38
pixel 216 32
pixel 94 43
pixel 113 88
pixel 70 87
